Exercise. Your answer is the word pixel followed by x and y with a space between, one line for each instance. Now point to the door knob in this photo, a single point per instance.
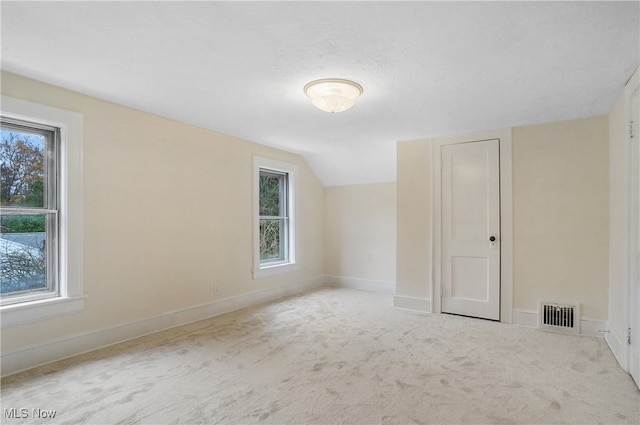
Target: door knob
pixel 492 238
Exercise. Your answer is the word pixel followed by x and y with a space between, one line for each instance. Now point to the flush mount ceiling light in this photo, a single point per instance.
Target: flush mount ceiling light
pixel 333 94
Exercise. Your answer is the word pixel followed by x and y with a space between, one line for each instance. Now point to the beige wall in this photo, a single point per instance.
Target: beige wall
pixel 561 214
pixel 360 231
pixel 167 215
pixel 413 260
pixel 560 207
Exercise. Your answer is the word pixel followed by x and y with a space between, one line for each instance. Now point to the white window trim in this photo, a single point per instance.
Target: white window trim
pixel 72 296
pixel 260 271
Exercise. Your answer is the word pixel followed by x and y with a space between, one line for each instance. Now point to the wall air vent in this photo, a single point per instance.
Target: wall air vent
pixel 560 317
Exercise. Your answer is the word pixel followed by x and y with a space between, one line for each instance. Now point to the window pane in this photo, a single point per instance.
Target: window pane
pixel 22 253
pixel 271 240
pixel 23 168
pixel 270 194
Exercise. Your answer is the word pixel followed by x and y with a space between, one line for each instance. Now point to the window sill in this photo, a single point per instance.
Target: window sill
pixel 16 314
pixel 275 269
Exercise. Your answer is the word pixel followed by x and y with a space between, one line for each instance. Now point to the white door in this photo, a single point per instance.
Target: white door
pixel 471 229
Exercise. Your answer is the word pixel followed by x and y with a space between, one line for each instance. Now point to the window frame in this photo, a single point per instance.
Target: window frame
pixel 288 262
pixel 70 296
pixel 50 209
pixel 283 217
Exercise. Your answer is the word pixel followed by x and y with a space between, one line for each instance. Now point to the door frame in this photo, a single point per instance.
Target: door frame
pixel 506 215
pixel 632 361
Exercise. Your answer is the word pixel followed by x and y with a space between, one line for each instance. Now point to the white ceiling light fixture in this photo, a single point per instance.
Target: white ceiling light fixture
pixel 333 94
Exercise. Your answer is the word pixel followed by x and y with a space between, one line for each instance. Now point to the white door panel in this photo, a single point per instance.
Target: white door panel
pixel 470 216
pixel 467 277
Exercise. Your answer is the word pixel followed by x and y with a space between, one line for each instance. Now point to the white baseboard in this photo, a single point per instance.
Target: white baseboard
pixel 618 345
pixel 412 303
pixel 525 318
pixel 588 327
pixel 23 358
pixel 385 286
pixel 591 327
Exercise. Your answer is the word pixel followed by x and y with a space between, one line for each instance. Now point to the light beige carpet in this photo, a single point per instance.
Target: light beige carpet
pixel 334 356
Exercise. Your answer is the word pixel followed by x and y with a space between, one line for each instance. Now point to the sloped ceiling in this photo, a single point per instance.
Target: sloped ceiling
pixel 427 68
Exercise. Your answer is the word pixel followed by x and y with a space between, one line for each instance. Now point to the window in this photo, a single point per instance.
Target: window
pixel 28 211
pixel 40 211
pixel 274 217
pixel 274 239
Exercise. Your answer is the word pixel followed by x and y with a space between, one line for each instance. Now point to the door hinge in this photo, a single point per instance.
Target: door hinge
pixel 629 336
pixel 630 129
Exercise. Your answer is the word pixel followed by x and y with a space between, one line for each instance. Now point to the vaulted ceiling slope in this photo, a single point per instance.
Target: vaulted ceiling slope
pixel 427 68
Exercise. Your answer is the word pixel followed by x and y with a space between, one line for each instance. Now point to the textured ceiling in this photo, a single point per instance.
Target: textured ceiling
pixel 427 68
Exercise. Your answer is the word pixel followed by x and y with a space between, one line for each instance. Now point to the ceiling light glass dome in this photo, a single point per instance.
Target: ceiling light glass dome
pixel 333 94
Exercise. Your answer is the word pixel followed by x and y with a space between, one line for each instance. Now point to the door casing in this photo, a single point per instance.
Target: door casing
pixel 633 346
pixel 506 216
